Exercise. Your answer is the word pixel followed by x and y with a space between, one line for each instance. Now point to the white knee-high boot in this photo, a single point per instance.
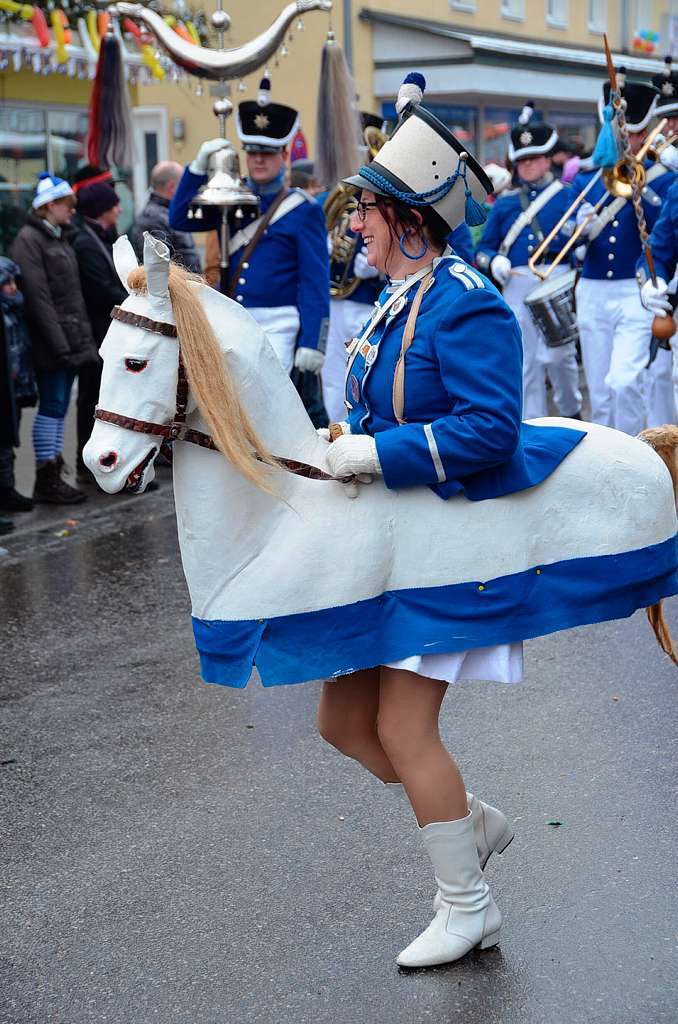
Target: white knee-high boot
pixel 468 916
pixel 491 829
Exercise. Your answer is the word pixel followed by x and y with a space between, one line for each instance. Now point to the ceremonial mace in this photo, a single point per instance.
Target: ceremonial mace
pixel 663 327
pixel 225 189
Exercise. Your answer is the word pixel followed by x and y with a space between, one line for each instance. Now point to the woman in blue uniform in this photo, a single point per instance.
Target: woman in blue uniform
pixel 433 394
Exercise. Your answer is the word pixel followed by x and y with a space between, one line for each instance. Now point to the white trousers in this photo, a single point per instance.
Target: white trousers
pixel 539 359
pixel 614 331
pixel 346 319
pixel 662 381
pixel 281 324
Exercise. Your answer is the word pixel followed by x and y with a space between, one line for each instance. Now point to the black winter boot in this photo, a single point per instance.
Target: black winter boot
pixel 51 489
pixel 6 526
pixel 12 501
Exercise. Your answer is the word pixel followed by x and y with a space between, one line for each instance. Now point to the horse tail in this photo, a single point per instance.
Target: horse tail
pixel 664 440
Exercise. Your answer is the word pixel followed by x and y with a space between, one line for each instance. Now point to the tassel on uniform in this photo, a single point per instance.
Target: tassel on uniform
pixel 109 135
pixel 338 131
pixel 606 152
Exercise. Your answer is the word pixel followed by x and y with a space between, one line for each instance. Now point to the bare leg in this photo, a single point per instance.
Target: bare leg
pixel 408 730
pixel 347 718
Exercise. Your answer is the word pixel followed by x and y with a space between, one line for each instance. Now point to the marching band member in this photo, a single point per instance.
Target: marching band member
pixel 433 394
pixel 614 328
pixel 654 297
pixel 281 277
pixel 518 222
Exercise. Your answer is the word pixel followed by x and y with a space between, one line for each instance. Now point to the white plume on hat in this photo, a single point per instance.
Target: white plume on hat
pixel 50 188
pixel 526 113
pixel 264 96
pixel 411 91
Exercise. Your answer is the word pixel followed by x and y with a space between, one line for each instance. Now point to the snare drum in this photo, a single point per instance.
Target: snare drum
pixel 551 305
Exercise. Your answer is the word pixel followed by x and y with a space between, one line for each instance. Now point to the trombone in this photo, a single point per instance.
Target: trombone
pixel 616 182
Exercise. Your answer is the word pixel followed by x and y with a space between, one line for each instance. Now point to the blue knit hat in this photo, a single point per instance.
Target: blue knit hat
pixel 50 188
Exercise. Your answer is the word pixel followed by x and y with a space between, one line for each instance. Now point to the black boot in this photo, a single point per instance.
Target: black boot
pixel 6 526
pixel 12 501
pixel 51 489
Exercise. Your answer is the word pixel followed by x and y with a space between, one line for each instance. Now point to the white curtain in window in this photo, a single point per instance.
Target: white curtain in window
pixel 513 8
pixel 598 14
pixel 644 15
pixel 557 11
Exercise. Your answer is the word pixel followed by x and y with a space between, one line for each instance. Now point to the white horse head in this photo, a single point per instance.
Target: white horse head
pixel 141 373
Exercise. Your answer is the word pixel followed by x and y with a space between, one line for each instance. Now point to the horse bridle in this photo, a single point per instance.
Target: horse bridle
pixel 176 429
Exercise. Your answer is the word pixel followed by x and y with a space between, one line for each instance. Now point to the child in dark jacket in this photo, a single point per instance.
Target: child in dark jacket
pixel 17 385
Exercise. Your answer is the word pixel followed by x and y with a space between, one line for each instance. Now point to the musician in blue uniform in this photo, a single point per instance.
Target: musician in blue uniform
pixel 614 328
pixel 284 281
pixel 655 295
pixel 519 220
pixel 433 393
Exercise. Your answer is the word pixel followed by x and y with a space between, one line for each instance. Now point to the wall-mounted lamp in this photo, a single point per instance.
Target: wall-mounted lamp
pixel 178 129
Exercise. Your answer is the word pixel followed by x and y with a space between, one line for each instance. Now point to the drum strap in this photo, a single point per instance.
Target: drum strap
pixel 525 218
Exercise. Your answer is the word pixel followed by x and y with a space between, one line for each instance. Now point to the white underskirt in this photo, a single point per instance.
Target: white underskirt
pixel 500 664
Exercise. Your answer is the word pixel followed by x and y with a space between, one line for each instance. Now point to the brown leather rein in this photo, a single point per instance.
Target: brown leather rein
pixel 176 429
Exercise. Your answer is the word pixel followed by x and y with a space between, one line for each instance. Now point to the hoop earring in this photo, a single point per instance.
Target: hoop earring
pixel 404 251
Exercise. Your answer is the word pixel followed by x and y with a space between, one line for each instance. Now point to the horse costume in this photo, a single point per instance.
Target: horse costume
pixel 287 575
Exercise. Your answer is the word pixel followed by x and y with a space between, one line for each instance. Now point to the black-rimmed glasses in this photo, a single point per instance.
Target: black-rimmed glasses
pixel 361 209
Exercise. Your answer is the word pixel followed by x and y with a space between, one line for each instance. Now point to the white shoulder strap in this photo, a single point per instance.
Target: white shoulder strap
pixel 527 216
pixel 610 212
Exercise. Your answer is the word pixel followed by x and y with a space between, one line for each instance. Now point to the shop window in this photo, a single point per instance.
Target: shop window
pixel 35 140
pixel 498 122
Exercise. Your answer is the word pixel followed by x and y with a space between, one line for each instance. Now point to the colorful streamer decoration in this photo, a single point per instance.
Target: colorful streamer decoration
pixel 59 36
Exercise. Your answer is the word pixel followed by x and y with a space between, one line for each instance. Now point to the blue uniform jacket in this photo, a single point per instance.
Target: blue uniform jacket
pixel 504 214
pixel 289 266
pixel 463 394
pixel 460 241
pixel 613 255
pixel 663 240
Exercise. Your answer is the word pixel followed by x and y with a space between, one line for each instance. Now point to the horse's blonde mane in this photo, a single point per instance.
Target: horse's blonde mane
pixel 209 381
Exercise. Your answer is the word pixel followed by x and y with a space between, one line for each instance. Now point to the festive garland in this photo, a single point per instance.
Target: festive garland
pixel 52 21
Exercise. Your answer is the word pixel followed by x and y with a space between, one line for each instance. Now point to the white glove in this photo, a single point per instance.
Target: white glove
pixel 669 157
pixel 309 360
pixel 653 297
pixel 323 432
pixel 500 268
pixel 585 211
pixel 353 459
pixel 361 268
pixel 201 162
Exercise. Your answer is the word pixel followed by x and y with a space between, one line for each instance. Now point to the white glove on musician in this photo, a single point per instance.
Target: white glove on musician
pixel 585 211
pixel 202 159
pixel 500 268
pixel 361 268
pixel 669 157
pixel 353 458
pixel 308 360
pixel 654 297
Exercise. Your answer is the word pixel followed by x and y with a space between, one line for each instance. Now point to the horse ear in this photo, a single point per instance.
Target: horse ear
pixel 156 265
pixel 125 259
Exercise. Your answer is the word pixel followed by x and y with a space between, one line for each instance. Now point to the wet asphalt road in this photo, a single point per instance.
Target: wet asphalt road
pixel 173 851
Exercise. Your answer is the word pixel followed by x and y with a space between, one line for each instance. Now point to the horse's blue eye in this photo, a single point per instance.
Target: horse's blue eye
pixel 136 365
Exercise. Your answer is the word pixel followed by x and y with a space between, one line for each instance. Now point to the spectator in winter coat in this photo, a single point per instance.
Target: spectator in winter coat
pixel 92 238
pixel 59 327
pixel 17 383
pixel 154 217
